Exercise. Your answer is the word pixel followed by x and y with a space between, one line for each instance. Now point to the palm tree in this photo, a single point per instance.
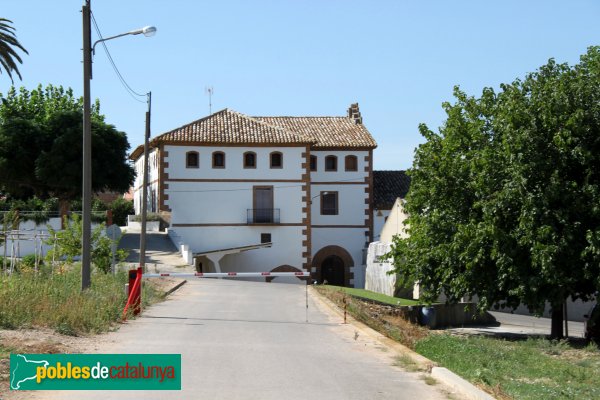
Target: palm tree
pixel 8 54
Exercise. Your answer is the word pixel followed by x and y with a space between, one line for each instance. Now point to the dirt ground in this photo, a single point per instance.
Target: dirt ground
pixel 47 341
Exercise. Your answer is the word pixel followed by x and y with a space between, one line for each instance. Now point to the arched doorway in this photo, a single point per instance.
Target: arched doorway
pixel 285 268
pixel 333 263
pixel 332 271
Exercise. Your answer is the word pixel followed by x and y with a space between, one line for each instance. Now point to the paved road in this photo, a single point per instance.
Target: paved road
pixel 534 325
pixel 161 254
pixel 249 340
pixel 516 325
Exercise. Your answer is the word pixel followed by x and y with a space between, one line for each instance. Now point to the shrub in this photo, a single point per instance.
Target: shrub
pixel 28 261
pixel 66 244
pixel 149 217
pixel 121 208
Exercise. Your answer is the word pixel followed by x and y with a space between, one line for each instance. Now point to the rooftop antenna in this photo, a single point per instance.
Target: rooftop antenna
pixel 209 91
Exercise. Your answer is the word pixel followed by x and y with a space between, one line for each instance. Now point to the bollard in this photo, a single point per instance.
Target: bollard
pixel 135 275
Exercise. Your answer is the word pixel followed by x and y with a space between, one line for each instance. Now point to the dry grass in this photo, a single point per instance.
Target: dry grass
pixel 56 301
pixel 384 319
pixel 408 364
pixel 429 380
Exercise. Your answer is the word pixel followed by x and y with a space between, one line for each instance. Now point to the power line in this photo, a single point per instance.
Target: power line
pixel 248 189
pixel 128 88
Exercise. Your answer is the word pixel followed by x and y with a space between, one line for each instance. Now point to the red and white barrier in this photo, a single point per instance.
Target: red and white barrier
pixel 135 283
pixel 225 274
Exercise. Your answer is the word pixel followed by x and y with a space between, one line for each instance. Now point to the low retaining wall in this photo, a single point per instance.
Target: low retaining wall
pixel 151 226
pixel 444 315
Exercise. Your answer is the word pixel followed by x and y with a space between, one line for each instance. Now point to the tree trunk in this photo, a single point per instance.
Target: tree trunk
pixel 63 208
pixel 556 331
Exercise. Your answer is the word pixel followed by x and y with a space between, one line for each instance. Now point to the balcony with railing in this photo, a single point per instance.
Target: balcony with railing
pixel 263 216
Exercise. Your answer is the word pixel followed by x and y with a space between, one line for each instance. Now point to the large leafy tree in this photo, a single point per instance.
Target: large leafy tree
pixel 41 146
pixel 8 45
pixel 505 198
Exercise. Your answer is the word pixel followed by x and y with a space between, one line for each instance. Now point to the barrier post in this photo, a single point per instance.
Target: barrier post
pixel 135 290
pixel 345 308
pixel 109 217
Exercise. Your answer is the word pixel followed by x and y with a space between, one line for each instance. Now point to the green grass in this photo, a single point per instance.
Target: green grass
pixel 29 300
pixel 391 325
pixel 528 369
pixel 367 294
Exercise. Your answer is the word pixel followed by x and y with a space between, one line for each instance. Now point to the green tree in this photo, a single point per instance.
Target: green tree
pixel 8 43
pixel 40 146
pixel 505 199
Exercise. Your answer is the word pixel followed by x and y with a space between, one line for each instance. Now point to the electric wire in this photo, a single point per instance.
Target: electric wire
pixel 357 180
pixel 128 88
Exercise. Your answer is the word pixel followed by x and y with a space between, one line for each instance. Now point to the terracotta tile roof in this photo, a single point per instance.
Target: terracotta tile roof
pixel 387 186
pixel 230 127
pixel 227 127
pixel 326 131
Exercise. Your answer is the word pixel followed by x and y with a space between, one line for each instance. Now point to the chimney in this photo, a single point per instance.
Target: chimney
pixel 354 113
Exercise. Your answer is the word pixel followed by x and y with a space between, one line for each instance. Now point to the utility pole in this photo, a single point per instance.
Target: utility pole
pixel 87 151
pixel 145 186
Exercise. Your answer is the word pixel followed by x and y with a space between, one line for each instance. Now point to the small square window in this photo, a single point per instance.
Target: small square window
pixel 329 203
pixel 265 238
pixel 276 160
pixel 351 163
pixel 218 159
pixel 250 160
pixel 331 163
pixel 192 159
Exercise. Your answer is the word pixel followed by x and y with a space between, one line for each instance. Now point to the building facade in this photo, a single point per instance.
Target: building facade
pixel 265 193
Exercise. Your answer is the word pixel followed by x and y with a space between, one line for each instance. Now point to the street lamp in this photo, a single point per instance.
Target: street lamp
pixel 319 195
pixel 147 31
pixel 87 138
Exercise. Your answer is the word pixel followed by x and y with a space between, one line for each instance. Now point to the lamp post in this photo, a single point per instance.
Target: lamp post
pixel 145 187
pixel 87 138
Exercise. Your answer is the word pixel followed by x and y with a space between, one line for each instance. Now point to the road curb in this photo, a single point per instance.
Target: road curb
pixel 459 384
pixel 444 375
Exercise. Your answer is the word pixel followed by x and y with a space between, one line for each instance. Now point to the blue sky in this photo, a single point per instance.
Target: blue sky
pixel 398 59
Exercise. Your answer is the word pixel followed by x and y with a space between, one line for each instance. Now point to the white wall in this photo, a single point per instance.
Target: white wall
pixel 377 278
pixel 320 175
pixel 228 202
pixel 27 243
pixel 395 223
pixel 225 203
pixel 378 221
pixel 234 167
pixel 198 201
pixel 351 205
pixel 153 173
pixel 351 208
pixel 286 248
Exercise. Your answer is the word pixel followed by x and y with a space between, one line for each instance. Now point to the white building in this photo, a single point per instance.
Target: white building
pixel 266 193
pixel 377 276
pixel 387 187
pixel 389 190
